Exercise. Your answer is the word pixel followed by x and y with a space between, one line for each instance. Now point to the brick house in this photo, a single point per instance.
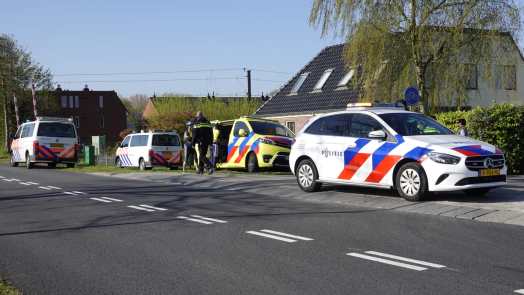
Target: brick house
pixel 94 112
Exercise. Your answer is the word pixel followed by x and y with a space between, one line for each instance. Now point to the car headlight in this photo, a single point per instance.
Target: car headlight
pixel 266 141
pixel 443 158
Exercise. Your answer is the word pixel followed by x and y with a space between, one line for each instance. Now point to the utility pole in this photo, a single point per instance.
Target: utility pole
pixel 249 84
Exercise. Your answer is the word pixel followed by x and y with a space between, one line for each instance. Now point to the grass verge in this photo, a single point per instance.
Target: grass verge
pixel 7 289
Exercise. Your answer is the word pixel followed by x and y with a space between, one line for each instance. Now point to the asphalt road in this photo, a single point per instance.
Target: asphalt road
pixel 65 233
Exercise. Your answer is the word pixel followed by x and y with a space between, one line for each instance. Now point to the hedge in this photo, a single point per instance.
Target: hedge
pixel 501 125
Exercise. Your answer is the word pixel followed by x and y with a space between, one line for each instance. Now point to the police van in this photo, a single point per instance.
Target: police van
pixel 148 149
pixel 46 140
pixel 387 147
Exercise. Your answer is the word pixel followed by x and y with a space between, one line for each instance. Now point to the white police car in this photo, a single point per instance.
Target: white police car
pixel 393 148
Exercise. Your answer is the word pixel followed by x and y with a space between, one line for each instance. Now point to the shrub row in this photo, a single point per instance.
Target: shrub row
pixel 501 125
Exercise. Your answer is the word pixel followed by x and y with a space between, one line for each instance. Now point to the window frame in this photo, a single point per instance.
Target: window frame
pixel 298 83
pixel 343 83
pixel 323 79
pixel 235 131
pixel 326 118
pixel 382 126
pixel 510 83
pixel 467 68
pixel 124 141
pixel 293 124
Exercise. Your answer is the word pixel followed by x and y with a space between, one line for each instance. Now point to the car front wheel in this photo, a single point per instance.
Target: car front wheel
pixel 12 161
pixel 411 182
pixel 307 176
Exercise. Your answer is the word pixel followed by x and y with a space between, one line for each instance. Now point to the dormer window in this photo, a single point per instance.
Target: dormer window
pixel 299 83
pixel 347 78
pixel 323 79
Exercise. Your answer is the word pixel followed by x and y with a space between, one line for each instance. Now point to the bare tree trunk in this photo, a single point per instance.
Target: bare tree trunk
pixel 421 85
pixel 6 129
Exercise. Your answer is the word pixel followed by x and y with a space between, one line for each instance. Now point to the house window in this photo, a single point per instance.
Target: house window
pixel 323 79
pixel 347 78
pixel 71 102
pixel 77 102
pixel 510 78
pixel 299 83
pixel 291 126
pixel 471 76
pixel 63 101
pixel 102 122
pixel 77 121
pixel 101 101
pixel 499 76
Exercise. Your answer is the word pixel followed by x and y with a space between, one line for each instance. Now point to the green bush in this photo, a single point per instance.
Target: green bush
pixel 501 125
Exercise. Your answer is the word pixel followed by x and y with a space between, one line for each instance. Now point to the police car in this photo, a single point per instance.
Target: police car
pixel 147 149
pixel 387 147
pixel 46 140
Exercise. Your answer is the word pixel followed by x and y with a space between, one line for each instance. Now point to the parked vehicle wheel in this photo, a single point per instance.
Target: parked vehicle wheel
pixel 51 165
pixel 118 163
pixel 12 161
pixel 142 165
pixel 307 176
pixel 252 163
pixel 70 165
pixel 28 163
pixel 477 192
pixel 411 182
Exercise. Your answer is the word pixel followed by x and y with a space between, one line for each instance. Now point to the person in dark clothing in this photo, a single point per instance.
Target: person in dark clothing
pixel 203 136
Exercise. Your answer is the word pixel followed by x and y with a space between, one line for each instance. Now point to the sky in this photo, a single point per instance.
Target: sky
pixel 167 46
pixel 205 45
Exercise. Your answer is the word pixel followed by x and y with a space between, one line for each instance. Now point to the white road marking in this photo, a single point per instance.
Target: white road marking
pixel 271 236
pixel 111 199
pixel 406 259
pixel 44 187
pixel 53 187
pixel 519 291
pixel 24 183
pixel 386 261
pixel 153 207
pixel 32 183
pixel 15 179
pixel 209 219
pixel 1 177
pixel 140 208
pixel 194 220
pixel 70 193
pixel 8 180
pixel 80 193
pixel 287 235
pixel 100 200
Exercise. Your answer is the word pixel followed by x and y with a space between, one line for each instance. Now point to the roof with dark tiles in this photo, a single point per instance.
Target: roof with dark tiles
pixel 331 97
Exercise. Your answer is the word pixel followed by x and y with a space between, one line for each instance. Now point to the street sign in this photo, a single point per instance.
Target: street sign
pixel 411 96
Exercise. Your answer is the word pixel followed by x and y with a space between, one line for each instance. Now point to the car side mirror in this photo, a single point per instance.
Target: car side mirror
pixel 242 133
pixel 11 135
pixel 377 134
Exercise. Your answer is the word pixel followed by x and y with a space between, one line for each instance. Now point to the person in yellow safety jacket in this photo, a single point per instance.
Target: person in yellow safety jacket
pixel 203 136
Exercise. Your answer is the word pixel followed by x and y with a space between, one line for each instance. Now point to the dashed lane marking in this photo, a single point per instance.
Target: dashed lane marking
pixel 256 233
pixel 70 193
pixel 53 187
pixel 24 183
pixel 519 291
pixel 111 199
pixel 386 261
pixel 286 235
pixel 153 207
pixel 141 208
pixel 1 177
pixel 32 183
pixel 100 200
pixel 80 193
pixel 194 220
pixel 429 264
pixel 209 219
pixel 15 179
pixel 44 188
pixel 8 180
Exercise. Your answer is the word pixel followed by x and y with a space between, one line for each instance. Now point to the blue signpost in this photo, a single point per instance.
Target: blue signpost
pixel 411 96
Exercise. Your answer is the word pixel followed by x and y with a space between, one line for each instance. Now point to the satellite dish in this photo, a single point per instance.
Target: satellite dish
pixel 411 96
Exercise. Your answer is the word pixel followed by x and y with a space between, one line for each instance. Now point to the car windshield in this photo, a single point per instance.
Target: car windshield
pixel 56 130
pixel 270 128
pixel 409 124
pixel 165 140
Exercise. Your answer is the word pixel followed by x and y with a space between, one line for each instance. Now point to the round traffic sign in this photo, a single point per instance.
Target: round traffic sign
pixel 411 96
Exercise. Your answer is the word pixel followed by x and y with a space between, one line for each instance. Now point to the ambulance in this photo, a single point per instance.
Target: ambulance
pixel 252 144
pixel 387 147
pixel 148 149
pixel 46 140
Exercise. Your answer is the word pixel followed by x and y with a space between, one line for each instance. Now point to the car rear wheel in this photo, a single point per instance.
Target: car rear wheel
pixel 252 163
pixel 411 182
pixel 477 192
pixel 28 163
pixel 12 161
pixel 142 165
pixel 307 176
pixel 118 163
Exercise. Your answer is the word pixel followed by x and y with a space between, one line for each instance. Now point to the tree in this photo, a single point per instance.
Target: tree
pixel 135 105
pixel 17 71
pixel 397 43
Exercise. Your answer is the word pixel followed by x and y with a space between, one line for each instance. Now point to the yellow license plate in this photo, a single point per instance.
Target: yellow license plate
pixel 167 154
pixel 57 145
pixel 489 172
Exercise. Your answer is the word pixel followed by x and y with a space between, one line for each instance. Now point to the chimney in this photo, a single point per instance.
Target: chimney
pixel 86 88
